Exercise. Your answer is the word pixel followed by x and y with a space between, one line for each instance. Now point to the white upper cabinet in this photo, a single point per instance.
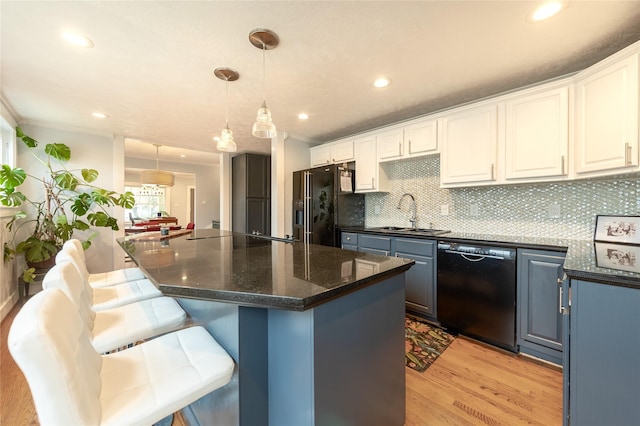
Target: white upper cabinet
pixel 421 137
pixel 391 144
pixel 469 145
pixel 370 177
pixel 537 134
pixel 415 138
pixel 320 155
pixel 330 153
pixel 342 151
pixel 607 116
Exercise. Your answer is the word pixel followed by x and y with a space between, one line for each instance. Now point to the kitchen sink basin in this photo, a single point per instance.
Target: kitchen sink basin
pixel 420 231
pixel 392 228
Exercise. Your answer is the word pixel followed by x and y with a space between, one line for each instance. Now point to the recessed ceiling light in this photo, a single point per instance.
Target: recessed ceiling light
pixel 99 115
pixel 77 39
pixel 183 156
pixel 303 116
pixel 381 82
pixel 216 138
pixel 545 11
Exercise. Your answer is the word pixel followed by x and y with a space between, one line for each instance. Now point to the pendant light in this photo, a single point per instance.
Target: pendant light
pixel 226 142
pixel 157 176
pixel 265 40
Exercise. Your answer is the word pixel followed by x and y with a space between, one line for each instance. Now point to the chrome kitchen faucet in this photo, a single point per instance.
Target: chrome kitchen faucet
pixel 413 219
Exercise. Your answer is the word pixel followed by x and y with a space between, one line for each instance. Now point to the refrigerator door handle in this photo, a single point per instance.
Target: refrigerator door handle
pixel 307 207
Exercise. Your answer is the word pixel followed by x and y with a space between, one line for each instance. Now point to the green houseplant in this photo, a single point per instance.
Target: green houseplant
pixel 68 202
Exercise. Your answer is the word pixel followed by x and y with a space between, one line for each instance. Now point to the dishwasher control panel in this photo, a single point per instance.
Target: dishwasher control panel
pixel 477 249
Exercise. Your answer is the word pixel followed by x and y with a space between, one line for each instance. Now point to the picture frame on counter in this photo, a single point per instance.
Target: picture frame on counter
pixel 617 229
pixel 622 257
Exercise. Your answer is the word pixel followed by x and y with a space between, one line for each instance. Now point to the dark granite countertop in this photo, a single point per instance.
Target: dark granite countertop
pixel 237 268
pixel 585 260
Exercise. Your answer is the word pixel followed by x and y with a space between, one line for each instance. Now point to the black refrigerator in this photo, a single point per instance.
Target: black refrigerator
pixel 324 203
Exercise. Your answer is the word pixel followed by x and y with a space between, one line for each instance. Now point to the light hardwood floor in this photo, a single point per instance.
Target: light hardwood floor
pixel 470 384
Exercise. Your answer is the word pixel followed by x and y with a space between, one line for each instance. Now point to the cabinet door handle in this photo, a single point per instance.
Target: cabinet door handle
pixel 561 308
pixel 372 186
pixel 410 146
pixel 627 154
pixel 400 147
pixel 561 292
pixel 562 161
pixel 492 171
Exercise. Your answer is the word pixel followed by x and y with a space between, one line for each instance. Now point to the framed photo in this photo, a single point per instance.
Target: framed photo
pixel 618 229
pixel 623 257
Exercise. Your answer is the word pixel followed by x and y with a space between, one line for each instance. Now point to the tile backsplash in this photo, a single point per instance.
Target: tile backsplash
pixel 558 210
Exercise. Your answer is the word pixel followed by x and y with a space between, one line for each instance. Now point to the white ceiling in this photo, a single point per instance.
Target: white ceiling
pixel 151 69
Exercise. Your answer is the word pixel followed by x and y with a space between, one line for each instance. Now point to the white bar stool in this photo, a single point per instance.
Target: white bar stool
pixel 103 279
pixel 72 384
pixel 115 328
pixel 116 295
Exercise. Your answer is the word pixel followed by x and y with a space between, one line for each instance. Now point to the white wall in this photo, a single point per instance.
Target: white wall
pixel 94 151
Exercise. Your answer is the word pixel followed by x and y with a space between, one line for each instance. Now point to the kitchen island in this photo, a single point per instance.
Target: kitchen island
pixel 317 333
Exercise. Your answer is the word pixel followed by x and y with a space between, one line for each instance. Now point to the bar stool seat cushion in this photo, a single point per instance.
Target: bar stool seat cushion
pixel 123 294
pixel 117 276
pixel 73 248
pixel 72 384
pixel 117 327
pixel 181 367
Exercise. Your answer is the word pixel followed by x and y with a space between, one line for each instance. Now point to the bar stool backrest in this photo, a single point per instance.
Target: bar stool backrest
pixel 51 345
pixel 70 255
pixel 75 243
pixel 66 277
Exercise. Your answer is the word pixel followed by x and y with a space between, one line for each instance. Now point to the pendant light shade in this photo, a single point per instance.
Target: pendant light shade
pixel 263 127
pixel 264 40
pixel 157 176
pixel 226 142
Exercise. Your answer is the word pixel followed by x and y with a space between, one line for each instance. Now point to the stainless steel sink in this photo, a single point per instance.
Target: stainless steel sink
pixel 392 228
pixel 420 231
pixel 428 231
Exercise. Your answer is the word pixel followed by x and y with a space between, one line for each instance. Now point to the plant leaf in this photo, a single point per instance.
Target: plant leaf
pixel 28 141
pixel 89 175
pixel 66 180
pixel 103 197
pixel 126 200
pixel 9 197
pixel 10 178
pixel 81 204
pixel 36 250
pixel 58 151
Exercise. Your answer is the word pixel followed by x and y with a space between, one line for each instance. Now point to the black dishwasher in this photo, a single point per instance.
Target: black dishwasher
pixel 477 292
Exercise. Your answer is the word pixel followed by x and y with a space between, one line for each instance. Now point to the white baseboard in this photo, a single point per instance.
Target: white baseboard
pixel 8 304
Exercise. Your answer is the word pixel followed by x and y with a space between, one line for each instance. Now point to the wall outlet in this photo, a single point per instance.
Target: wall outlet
pixel 554 211
pixel 444 209
pixel 474 210
pixel 376 209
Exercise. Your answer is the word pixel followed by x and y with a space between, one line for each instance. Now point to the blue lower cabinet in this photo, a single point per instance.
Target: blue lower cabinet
pixel 420 280
pixel 375 244
pixel 604 355
pixel 349 241
pixel 539 319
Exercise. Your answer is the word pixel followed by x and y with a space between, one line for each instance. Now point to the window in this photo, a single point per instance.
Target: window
pixel 150 200
pixel 7 143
